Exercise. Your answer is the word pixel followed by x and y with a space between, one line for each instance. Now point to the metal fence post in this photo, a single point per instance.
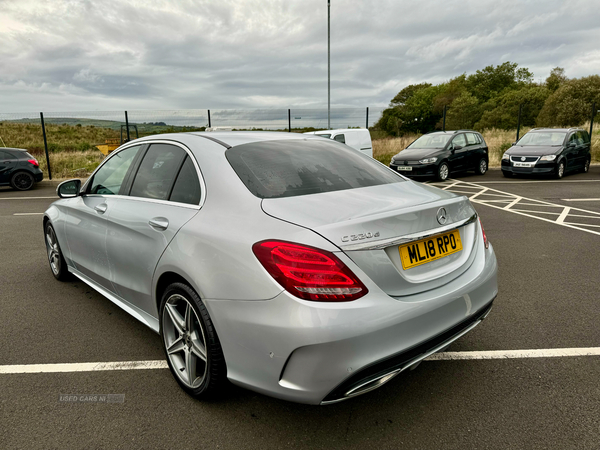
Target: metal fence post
pixel 592 118
pixel 444 119
pixel 367 123
pixel 519 121
pixel 289 120
pixel 209 125
pixel 127 126
pixel 46 146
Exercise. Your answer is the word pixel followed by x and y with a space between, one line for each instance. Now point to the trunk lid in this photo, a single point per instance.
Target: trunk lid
pixel 368 224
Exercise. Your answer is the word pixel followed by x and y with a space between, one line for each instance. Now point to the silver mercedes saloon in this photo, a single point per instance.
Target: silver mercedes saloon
pixel 284 263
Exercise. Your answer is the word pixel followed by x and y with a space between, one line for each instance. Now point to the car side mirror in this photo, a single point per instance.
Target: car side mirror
pixel 69 188
pixel 571 144
pixel 456 147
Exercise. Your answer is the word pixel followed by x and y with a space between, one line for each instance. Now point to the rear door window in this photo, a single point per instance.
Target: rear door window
pixel 340 138
pixel 187 185
pixel 472 139
pixel 157 172
pixel 275 169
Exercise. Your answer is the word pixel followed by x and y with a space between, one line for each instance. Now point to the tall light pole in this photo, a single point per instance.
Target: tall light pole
pixel 328 70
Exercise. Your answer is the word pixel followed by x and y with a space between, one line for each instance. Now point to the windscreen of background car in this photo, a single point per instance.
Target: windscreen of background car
pixel 289 168
pixel 431 141
pixel 543 138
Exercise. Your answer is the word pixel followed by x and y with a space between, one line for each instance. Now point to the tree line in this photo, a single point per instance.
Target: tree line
pixel 490 98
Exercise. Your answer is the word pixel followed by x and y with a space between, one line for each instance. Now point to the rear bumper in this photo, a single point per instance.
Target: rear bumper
pixel 38 176
pixel 315 353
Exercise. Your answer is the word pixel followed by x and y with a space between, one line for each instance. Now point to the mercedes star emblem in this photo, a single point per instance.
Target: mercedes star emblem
pixel 523 158
pixel 441 216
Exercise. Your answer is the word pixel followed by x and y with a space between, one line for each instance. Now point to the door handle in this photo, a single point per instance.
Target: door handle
pixel 160 223
pixel 101 208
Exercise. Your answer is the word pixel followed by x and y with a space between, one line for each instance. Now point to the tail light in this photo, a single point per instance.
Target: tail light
pixel 308 272
pixel 34 162
pixel 485 239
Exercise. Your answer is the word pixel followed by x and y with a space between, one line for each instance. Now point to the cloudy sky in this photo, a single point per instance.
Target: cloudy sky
pixel 65 55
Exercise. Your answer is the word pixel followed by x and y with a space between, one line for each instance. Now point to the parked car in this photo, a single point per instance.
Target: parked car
pixel 284 263
pixel 357 138
pixel 551 151
pixel 442 153
pixel 19 169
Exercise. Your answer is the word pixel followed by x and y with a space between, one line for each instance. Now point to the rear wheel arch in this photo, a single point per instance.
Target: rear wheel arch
pixel 164 281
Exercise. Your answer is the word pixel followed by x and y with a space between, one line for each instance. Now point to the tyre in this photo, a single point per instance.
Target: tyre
pixel 443 172
pixel 586 166
pixel 191 344
pixel 507 174
pixel 482 167
pixel 22 181
pixel 560 170
pixel 58 265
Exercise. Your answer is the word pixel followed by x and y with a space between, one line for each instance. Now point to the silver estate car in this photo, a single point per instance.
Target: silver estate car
pixel 288 264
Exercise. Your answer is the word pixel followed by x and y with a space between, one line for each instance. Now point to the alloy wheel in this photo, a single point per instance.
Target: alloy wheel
pixel 586 166
pixel 53 250
pixel 185 342
pixel 23 181
pixel 561 170
pixel 444 172
pixel 482 166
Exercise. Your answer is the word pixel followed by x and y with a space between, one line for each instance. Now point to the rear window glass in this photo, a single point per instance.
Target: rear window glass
pixel 289 168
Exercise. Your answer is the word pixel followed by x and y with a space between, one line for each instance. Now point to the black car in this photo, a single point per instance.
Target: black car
pixel 441 153
pixel 552 151
pixel 18 169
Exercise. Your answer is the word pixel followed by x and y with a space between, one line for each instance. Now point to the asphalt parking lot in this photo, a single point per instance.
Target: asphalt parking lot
pixel 546 235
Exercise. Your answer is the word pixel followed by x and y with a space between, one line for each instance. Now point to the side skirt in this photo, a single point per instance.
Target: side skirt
pixel 136 312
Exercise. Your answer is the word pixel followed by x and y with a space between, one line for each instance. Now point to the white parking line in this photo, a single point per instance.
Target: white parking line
pixel 446 356
pixel 26 198
pixel 512 354
pixel 523 206
pixel 538 181
pixel 27 214
pixel 82 367
pixel 581 199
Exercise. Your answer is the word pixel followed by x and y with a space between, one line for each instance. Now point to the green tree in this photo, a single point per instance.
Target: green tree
pixel 491 81
pixel 570 104
pixel 463 113
pixel 556 79
pixel 402 97
pixel 503 111
pixel 449 91
pixel 411 111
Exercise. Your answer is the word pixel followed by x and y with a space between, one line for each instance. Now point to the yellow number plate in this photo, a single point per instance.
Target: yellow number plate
pixel 430 249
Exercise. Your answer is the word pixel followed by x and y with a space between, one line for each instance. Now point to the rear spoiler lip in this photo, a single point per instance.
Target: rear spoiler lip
pixel 398 240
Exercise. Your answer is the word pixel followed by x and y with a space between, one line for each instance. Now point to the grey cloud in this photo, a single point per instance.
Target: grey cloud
pixel 254 54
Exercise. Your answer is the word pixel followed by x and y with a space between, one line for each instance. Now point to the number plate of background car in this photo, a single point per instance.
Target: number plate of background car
pixel 404 168
pixel 430 249
pixel 520 164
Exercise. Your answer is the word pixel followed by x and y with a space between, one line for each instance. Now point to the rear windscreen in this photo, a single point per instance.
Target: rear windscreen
pixel 275 169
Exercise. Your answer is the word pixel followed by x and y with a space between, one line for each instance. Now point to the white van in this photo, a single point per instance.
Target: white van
pixel 358 138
